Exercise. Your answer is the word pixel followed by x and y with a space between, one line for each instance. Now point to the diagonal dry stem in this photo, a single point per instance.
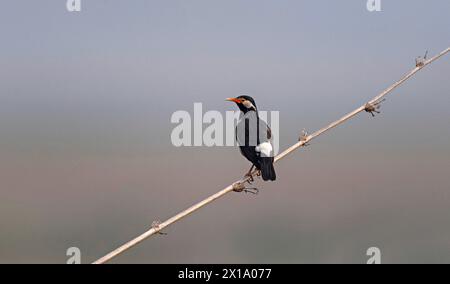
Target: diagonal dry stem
pixel 156 229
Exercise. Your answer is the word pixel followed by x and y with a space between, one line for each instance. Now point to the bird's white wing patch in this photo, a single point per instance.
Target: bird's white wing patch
pixel 265 148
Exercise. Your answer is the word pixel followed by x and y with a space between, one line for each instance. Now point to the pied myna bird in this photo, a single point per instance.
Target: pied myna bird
pixel 253 136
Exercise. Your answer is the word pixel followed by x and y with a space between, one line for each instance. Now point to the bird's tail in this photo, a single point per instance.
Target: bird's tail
pixel 267 169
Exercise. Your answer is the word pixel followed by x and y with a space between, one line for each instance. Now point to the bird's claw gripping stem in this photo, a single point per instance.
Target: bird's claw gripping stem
pixel 249 177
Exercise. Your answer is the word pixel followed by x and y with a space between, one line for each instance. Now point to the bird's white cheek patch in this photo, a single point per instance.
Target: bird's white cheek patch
pixel 248 105
pixel 265 149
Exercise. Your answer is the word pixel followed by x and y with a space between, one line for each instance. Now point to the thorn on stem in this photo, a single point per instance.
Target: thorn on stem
pixel 420 61
pixel 240 187
pixel 304 138
pixel 155 226
pixel 252 190
pixel 374 107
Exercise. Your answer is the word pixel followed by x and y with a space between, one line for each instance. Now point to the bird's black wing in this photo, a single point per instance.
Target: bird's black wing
pixel 246 136
pixel 269 132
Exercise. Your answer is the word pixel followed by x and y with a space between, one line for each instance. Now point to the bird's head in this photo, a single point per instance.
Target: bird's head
pixel 245 103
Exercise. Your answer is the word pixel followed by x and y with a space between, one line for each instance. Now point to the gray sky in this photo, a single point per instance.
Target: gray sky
pixel 85 152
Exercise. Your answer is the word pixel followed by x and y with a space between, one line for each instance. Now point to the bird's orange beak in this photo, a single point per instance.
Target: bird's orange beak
pixel 233 100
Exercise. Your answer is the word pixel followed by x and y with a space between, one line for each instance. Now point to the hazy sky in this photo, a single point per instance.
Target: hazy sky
pixel 86 158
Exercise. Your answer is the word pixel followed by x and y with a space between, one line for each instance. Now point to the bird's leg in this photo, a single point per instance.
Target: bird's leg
pixel 249 175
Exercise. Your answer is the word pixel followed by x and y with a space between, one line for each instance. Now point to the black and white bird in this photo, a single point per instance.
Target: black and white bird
pixel 254 138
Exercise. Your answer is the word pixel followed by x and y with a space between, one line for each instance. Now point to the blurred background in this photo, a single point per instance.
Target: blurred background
pixel 86 158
